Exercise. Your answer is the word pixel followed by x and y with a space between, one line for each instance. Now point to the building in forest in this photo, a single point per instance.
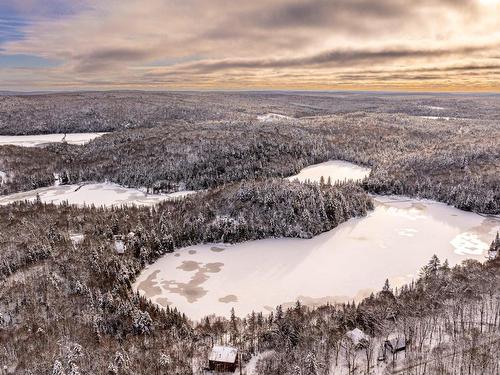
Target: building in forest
pixel 223 359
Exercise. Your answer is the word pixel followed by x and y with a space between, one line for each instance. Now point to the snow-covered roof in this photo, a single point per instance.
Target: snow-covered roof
pixel 119 246
pixel 224 354
pixel 76 238
pixel 356 335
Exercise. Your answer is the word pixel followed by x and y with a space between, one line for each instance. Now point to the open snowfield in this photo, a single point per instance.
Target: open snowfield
pixel 38 140
pixel 346 263
pixel 101 194
pixel 272 117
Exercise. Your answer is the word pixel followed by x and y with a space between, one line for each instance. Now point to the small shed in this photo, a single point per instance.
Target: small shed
pixel 223 359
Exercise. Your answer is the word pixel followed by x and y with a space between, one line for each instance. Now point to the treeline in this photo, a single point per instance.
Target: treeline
pixel 66 306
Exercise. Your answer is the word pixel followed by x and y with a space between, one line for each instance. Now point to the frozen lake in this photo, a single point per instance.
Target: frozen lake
pixel 346 263
pixel 337 170
pixel 39 140
pixel 101 194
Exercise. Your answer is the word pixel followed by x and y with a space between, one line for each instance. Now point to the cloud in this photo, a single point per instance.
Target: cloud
pixel 224 43
pixel 331 58
pixel 107 58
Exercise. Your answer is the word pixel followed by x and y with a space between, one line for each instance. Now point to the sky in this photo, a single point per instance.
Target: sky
pixel 393 45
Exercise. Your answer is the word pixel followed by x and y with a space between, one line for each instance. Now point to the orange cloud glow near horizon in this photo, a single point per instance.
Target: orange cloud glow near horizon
pixel 395 45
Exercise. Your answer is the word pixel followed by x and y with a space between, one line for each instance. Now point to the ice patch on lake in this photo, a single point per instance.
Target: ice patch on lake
pixel 101 194
pixel 407 232
pixel 41 139
pixel 469 244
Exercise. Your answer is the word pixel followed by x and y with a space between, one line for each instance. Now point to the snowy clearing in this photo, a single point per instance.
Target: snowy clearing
pixel 272 117
pixel 436 118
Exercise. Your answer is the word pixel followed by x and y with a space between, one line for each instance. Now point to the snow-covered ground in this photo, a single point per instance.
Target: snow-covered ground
pixel 101 194
pixel 346 263
pixel 38 140
pixel 337 170
pixel 436 118
pixel 434 107
pixel 271 117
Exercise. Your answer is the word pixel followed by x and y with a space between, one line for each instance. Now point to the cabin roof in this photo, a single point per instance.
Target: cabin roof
pixel 225 354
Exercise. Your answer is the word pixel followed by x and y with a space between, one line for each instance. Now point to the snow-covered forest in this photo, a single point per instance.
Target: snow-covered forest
pixel 66 300
pixel 455 161
pixel 82 112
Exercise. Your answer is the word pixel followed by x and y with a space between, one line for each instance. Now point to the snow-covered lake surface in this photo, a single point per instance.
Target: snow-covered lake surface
pixel 39 140
pixel 346 263
pixel 337 170
pixel 100 194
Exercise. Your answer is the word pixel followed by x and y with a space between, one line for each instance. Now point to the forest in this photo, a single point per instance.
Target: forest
pixel 119 110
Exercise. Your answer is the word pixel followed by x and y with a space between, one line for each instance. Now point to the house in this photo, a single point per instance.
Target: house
pixel 357 337
pixel 223 359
